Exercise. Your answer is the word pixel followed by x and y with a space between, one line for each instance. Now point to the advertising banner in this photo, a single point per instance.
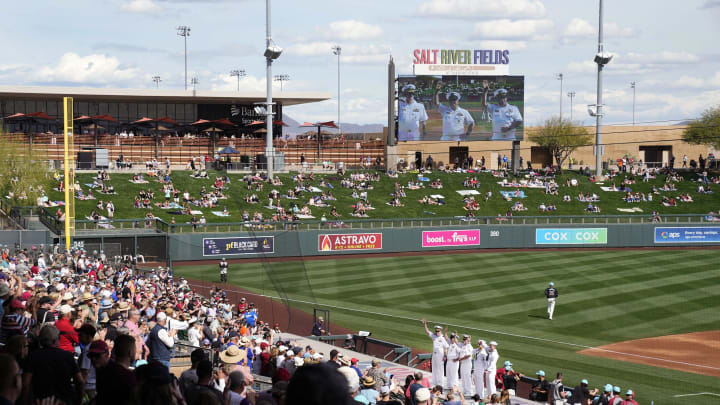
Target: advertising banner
pixel 245 245
pixel 687 234
pixel 571 236
pixel 465 237
pixel 349 241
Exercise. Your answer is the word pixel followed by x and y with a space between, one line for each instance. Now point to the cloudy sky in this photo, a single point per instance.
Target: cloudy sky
pixel 669 48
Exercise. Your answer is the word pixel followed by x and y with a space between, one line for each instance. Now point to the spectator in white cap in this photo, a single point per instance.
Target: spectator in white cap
pixel 630 398
pixel 457 122
pixel 506 117
pixel 422 396
pixel 411 116
pixel 160 341
pixel 68 335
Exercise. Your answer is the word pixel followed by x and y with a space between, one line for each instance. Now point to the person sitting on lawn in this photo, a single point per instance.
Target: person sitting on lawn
pixel 334 213
pixel 566 198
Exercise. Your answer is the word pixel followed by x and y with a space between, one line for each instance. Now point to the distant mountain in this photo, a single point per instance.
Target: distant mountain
pixel 294 127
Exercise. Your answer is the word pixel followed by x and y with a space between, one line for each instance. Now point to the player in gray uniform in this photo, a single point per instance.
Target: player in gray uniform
pixel 440 347
pixel 551 293
pixel 223 270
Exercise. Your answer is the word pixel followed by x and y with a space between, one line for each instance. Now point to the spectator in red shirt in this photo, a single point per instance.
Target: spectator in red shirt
pixel 68 334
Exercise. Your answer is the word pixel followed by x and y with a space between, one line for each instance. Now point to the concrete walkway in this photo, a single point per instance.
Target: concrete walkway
pixel 400 371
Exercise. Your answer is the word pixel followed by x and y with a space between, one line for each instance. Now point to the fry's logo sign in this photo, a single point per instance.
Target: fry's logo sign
pixel 349 241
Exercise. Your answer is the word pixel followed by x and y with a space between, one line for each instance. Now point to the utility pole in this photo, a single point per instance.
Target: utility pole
pixel 601 58
pixel 337 50
pixel 157 81
pixel 560 77
pixel 238 73
pixel 571 95
pixel 632 84
pixel 184 31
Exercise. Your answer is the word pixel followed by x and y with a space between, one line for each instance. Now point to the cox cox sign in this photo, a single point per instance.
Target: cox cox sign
pixel 570 236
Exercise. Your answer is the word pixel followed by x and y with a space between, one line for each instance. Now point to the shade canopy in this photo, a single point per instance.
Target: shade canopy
pixel 327 124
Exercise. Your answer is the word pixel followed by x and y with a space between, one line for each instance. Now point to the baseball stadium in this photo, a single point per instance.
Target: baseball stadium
pixel 186 246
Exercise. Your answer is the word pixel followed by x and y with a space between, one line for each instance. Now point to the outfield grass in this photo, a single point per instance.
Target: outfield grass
pixel 380 195
pixel 605 297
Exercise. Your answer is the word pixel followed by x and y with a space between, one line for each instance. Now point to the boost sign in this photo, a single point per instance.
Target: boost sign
pixel 466 237
pixel 687 234
pixel 570 236
pixel 349 241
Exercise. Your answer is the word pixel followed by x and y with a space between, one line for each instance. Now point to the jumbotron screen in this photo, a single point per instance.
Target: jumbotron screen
pixel 460 108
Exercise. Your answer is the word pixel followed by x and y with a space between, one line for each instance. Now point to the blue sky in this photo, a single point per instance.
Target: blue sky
pixel 669 48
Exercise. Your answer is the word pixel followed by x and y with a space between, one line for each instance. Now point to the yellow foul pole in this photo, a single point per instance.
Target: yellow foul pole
pixel 69 167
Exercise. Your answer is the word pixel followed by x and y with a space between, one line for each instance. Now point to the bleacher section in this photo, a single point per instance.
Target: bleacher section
pixel 139 149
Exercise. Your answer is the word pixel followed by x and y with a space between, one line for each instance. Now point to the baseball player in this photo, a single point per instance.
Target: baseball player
pixel 480 355
pixel 411 116
pixel 455 119
pixel 630 398
pixel 466 352
pixel 223 270
pixel 453 361
pixel 491 368
pixel 506 117
pixel 551 293
pixel 440 346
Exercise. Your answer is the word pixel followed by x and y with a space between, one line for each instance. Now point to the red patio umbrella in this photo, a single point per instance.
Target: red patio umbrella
pixel 155 123
pixel 319 125
pixel 31 118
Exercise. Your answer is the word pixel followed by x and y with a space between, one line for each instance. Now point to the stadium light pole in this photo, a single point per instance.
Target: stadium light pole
pixel 281 79
pixel 184 31
pixel 571 95
pixel 272 52
pixel 238 73
pixel 560 77
pixel 157 81
pixel 601 58
pixel 337 50
pixel 632 84
pixel 194 81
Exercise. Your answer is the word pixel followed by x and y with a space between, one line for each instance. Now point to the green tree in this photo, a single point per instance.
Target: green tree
pixel 23 175
pixel 706 130
pixel 561 138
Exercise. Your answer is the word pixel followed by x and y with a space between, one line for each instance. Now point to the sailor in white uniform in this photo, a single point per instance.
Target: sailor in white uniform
pixel 453 362
pixel 480 354
pixel 506 117
pixel 411 116
pixel 457 122
pixel 466 351
pixel 491 368
pixel 440 347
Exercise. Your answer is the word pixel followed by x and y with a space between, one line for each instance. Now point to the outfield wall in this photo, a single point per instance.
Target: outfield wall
pixel 210 246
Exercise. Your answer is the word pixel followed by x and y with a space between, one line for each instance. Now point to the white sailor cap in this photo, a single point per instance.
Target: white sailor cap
pixel 453 95
pixel 500 92
pixel 408 88
pixel 438 327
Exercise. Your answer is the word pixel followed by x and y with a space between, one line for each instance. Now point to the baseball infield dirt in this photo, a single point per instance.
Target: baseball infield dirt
pixel 691 352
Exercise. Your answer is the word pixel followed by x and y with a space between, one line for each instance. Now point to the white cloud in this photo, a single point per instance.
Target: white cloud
pixel 499 44
pixel 142 7
pixel 507 29
pixel 353 30
pixel 311 48
pixel 350 53
pixel 664 57
pixel 473 9
pixel 578 28
pixel 74 68
pixel 710 4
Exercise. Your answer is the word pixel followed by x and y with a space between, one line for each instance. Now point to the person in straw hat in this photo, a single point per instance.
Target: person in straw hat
pixel 367 389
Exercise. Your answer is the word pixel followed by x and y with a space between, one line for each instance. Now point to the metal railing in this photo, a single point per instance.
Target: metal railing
pixel 359 224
